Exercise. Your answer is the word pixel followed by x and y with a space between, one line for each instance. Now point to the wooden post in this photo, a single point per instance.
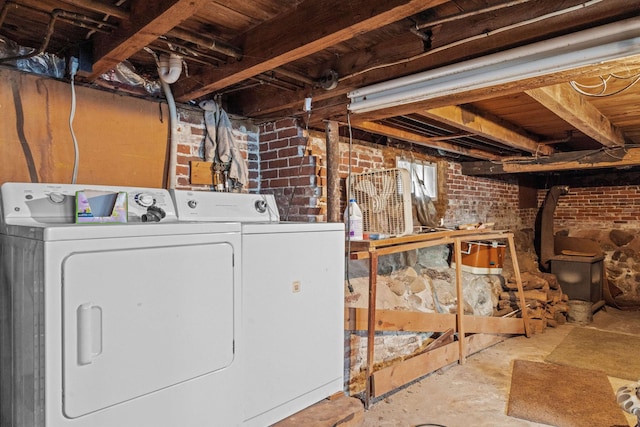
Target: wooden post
pixel 333 165
pixel 516 270
pixel 460 299
pixel 371 325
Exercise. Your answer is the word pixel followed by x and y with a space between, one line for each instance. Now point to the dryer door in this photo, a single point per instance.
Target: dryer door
pixel 139 320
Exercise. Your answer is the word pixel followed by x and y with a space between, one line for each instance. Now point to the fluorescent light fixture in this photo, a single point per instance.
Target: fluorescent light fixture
pixel 588 47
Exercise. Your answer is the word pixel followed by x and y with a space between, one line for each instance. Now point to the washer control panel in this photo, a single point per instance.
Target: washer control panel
pixel 56 203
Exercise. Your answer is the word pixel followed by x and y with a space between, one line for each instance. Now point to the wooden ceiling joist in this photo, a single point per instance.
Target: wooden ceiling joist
pixel 432 142
pixel 148 21
pixel 567 104
pixel 575 160
pixel 311 27
pixel 488 127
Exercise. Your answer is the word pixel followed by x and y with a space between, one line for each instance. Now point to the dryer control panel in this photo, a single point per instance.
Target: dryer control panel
pixel 37 203
pixel 218 206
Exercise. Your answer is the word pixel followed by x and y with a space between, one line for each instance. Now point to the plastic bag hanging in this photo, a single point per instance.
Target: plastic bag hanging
pixel 425 209
pixel 219 145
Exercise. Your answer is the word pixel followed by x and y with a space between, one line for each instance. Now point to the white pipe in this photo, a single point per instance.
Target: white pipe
pixel 621 36
pixel 169 68
pixel 173 123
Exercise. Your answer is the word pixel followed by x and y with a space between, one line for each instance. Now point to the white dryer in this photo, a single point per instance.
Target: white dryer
pixel 105 325
pixel 291 345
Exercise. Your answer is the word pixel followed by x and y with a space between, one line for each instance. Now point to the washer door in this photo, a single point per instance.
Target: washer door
pixel 139 320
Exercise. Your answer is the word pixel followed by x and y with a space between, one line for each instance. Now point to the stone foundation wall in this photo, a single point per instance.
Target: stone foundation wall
pixel 609 215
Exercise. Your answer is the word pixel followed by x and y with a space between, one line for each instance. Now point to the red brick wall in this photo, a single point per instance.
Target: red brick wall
pixel 589 208
pixel 485 200
pixel 191 133
pixel 467 199
pixel 290 170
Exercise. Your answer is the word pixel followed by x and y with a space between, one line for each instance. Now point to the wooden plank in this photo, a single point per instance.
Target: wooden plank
pixel 392 377
pixel 356 319
pixel 310 27
pixel 474 234
pixel 447 337
pixel 493 325
pixel 478 342
pixel 336 411
pixel 516 270
pixel 573 108
pixel 201 172
pixel 468 120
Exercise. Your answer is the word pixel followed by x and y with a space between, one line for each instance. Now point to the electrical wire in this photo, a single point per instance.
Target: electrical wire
pixel 348 224
pixel 472 38
pixel 72 114
pixel 604 85
pixel 306 149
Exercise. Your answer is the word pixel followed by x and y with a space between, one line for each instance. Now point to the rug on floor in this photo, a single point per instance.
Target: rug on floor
pixel 562 396
pixel 614 354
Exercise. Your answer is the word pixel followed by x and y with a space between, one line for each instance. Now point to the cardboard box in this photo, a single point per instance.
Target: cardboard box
pixel 101 206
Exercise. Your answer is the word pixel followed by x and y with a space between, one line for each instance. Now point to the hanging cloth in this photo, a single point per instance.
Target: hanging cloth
pixel 219 144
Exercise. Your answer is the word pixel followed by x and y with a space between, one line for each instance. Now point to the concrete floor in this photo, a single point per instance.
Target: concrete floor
pixel 476 393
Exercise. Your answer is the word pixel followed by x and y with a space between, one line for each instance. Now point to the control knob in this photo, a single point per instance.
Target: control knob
pixel 261 206
pixel 145 200
pixel 56 197
pixel 192 203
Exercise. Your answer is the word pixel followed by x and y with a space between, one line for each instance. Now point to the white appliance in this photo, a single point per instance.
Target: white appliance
pixel 105 325
pixel 292 337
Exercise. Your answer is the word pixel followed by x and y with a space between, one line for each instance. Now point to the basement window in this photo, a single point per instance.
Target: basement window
pixel 424 176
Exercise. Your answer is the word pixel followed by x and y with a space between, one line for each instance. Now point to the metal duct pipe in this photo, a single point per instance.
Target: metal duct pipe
pixel 547 246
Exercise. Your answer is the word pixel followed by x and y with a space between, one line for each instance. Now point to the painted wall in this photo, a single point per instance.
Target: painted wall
pixel 122 140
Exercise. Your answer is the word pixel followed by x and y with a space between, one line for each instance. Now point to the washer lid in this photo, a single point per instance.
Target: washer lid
pixel 292 227
pixel 61 232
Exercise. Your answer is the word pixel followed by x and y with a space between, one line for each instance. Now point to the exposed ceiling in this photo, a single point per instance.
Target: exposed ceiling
pixel 264 57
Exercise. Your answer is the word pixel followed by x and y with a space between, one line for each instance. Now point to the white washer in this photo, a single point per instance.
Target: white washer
pixel 292 338
pixel 127 325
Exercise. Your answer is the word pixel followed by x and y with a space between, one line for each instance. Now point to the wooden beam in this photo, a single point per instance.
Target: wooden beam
pixel 468 120
pixel 333 171
pixel 396 320
pixel 435 142
pixel 589 159
pixel 352 67
pixel 573 108
pixel 309 28
pixel 96 6
pixel 494 325
pixel 148 21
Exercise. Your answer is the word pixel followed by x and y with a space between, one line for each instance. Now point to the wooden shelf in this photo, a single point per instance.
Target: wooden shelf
pixel 487 330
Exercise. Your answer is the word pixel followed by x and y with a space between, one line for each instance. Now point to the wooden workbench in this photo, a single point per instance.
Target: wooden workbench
pixel 486 330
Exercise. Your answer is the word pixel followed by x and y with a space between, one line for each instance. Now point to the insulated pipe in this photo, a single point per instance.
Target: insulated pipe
pixel 547 245
pixel 169 67
pixel 173 123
